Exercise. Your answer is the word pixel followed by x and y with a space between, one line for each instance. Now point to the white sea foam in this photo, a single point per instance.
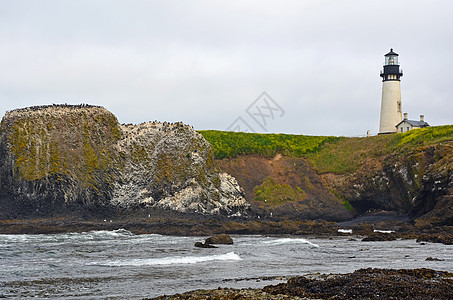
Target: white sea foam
pixel 345 230
pixel 172 260
pixel 383 231
pixel 111 233
pixel 289 241
pixel 100 235
pixel 13 238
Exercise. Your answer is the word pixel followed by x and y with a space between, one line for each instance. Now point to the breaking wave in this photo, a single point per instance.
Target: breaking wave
pixel 173 260
pixel 290 241
pixel 109 233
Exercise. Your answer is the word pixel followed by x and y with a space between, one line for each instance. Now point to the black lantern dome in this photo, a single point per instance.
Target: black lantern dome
pixel 391 67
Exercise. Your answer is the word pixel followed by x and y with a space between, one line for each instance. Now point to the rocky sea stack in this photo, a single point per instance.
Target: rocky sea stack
pixel 61 160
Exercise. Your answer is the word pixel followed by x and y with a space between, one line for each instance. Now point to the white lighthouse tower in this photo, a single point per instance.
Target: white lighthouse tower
pixel 391 94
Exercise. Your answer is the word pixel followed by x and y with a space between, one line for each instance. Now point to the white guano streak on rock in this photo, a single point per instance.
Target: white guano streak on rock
pixel 187 194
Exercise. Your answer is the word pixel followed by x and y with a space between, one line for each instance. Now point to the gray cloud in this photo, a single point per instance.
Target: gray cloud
pixel 204 62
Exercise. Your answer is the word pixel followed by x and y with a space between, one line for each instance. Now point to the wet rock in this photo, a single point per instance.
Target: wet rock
pixel 227 294
pixel 203 245
pixel 361 284
pixel 394 225
pixel 221 239
pixel 362 229
pixel 163 222
pixel 443 238
pixel 371 284
pixel 433 259
pixel 379 237
pixel 318 227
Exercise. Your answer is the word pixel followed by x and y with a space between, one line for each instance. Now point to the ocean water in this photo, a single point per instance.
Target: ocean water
pixel 120 265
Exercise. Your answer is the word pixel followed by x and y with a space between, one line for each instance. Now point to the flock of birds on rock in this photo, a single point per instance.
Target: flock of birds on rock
pixel 42 107
pixel 83 105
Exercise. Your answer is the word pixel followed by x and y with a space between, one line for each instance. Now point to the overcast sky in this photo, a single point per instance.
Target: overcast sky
pixel 206 62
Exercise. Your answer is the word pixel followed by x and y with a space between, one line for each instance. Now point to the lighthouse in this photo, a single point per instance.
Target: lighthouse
pixel 391 94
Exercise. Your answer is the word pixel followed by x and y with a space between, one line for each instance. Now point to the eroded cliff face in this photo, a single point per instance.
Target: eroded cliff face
pixel 417 182
pixel 59 160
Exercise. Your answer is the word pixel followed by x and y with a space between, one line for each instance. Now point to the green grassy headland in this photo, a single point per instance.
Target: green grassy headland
pixel 338 155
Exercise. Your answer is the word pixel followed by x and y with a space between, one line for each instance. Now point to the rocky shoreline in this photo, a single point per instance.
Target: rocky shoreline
pixel 196 225
pixel 361 284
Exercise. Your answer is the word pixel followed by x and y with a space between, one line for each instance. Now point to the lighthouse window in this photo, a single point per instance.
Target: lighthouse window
pixel 391 60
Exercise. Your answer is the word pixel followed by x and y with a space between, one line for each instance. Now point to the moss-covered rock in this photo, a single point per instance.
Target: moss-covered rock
pixel 62 159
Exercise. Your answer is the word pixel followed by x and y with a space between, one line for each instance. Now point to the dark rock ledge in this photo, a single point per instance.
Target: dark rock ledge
pixel 178 224
pixel 220 239
pixel 361 284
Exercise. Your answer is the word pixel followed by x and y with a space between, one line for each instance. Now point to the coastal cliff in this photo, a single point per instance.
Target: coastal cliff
pixel 63 160
pixel 407 174
pixel 410 173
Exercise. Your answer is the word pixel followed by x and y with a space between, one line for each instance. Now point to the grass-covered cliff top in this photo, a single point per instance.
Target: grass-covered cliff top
pixel 229 144
pixel 326 153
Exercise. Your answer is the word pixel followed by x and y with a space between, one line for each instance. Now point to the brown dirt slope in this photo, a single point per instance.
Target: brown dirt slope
pixel 284 187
